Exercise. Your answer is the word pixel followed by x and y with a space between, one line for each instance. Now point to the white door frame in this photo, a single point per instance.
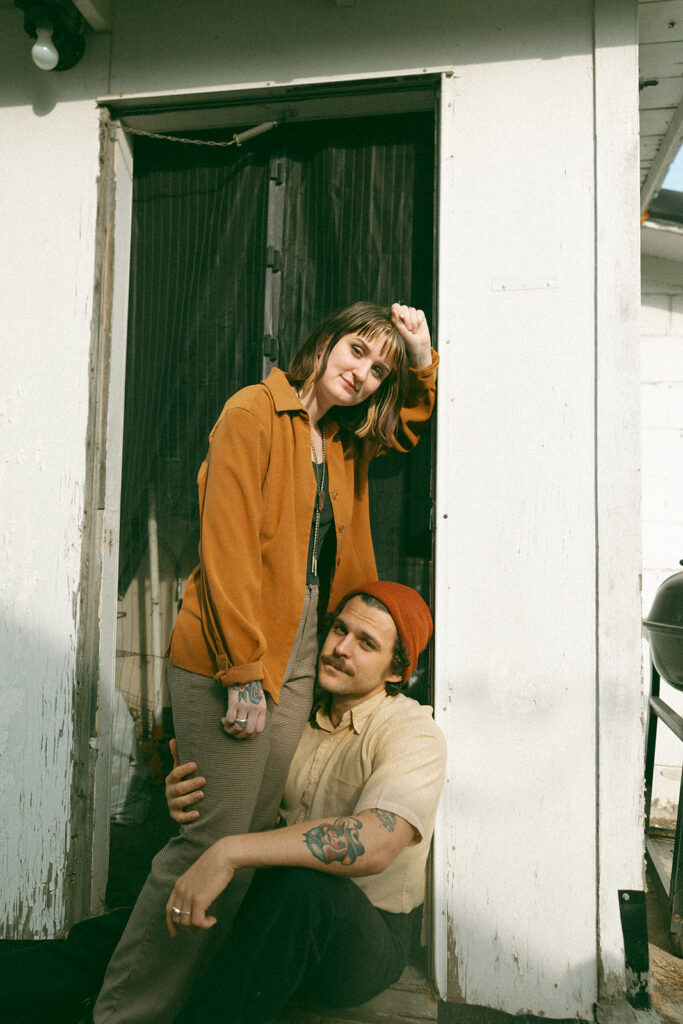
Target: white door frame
pixel 316 98
pixel 108 514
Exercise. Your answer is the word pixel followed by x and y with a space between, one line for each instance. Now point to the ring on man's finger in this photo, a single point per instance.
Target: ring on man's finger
pixel 240 722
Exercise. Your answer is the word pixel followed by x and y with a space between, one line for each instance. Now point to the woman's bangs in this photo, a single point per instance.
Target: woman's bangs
pixel 390 341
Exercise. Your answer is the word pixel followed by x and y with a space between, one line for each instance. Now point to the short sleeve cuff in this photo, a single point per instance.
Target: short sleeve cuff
pixel 408 814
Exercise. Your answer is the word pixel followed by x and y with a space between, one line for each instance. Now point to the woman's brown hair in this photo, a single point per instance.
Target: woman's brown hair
pixel 376 418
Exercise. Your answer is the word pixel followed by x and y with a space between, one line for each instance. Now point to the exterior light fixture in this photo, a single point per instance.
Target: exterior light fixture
pixel 58 28
pixel 44 51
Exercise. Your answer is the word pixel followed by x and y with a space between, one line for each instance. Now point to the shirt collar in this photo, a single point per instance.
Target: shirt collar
pixel 355 718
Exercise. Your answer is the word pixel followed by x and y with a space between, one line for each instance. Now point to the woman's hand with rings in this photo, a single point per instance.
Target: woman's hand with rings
pixel 195 891
pixel 411 324
pixel 246 714
pixel 181 792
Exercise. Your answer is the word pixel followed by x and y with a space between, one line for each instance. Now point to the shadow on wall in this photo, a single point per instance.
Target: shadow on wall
pixel 292 41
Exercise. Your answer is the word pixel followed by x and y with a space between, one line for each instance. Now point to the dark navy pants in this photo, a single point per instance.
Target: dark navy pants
pixel 301 934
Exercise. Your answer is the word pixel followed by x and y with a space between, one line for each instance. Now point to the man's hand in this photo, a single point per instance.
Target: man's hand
pixel 182 792
pixel 195 891
pixel 246 714
pixel 411 324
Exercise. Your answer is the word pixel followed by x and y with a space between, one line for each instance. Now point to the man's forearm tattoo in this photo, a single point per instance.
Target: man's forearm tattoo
pixel 386 818
pixel 337 841
pixel 250 693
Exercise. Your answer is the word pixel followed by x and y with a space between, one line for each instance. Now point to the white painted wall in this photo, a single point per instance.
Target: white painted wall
pixel 619 692
pixel 516 534
pixel 662 454
pixel 517 685
pixel 47 210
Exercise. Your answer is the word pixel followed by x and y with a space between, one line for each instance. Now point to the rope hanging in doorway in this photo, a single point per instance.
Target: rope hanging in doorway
pixel 237 140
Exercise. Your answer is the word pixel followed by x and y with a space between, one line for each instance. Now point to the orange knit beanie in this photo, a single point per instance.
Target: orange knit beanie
pixel 411 615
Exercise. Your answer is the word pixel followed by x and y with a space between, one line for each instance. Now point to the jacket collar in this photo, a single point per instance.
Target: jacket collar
pixel 283 396
pixel 285 400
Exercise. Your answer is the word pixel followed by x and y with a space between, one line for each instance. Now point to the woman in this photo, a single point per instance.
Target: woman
pixel 284 515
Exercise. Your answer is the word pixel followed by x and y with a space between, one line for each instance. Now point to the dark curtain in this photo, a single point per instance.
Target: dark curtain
pixel 358 223
pixel 358 218
pixel 196 310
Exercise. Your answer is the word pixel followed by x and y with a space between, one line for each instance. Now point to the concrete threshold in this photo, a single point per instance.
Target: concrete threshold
pixel 410 1000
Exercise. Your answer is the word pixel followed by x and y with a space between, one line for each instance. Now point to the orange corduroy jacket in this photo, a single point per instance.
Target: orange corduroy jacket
pixel 257 489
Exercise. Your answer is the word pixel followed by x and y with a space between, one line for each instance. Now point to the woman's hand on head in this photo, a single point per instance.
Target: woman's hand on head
pixel 181 792
pixel 411 324
pixel 246 714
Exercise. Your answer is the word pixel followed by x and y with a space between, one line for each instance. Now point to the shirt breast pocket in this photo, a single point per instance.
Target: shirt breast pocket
pixel 344 793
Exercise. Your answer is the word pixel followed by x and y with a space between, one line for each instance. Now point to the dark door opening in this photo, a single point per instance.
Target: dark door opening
pixel 236 254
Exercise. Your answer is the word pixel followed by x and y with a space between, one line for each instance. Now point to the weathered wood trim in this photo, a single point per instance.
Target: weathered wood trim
pixel 97 13
pixel 620 698
pixel 110 512
pixel 444 954
pixel 79 861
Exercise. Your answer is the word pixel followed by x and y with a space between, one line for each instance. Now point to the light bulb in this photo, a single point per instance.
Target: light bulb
pixel 44 51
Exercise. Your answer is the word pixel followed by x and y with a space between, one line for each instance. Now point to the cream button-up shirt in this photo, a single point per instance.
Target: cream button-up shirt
pixel 387 753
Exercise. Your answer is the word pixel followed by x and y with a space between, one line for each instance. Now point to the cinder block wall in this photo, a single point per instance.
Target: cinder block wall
pixel 662 473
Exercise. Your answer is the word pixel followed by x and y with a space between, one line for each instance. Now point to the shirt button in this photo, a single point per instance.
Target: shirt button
pixel 341 527
pixel 335 494
pixel 339 561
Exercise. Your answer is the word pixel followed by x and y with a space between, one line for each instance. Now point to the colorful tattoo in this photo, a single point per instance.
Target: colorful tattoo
pixel 337 841
pixel 250 693
pixel 386 819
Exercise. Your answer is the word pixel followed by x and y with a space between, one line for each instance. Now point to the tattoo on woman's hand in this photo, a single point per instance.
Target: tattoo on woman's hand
pixel 338 841
pixel 250 693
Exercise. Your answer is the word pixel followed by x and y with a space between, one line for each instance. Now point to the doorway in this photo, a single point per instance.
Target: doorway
pixel 236 254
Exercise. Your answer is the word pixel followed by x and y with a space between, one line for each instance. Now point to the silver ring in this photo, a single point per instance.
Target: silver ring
pixel 177 912
pixel 241 722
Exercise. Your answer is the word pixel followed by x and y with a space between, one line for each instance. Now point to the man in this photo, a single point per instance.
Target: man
pixel 330 918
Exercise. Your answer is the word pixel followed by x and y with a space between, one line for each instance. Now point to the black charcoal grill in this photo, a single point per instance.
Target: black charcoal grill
pixel 664 631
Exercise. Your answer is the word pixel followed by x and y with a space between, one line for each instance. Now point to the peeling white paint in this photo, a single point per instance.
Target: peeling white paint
pixel 516 622
pixel 46 254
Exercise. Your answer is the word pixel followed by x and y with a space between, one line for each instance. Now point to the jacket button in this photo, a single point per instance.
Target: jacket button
pixel 335 494
pixel 339 561
pixel 341 527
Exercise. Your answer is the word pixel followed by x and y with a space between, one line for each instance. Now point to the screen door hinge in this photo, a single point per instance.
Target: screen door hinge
pixel 276 171
pixel 271 347
pixel 274 259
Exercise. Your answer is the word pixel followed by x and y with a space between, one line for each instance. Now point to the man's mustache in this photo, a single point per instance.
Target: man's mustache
pixel 338 663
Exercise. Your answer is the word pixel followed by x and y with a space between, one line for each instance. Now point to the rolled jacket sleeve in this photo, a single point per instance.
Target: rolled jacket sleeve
pixel 230 546
pixel 417 407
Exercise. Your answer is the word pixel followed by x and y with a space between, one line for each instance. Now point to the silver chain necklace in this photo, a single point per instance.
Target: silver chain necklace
pixel 319 501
